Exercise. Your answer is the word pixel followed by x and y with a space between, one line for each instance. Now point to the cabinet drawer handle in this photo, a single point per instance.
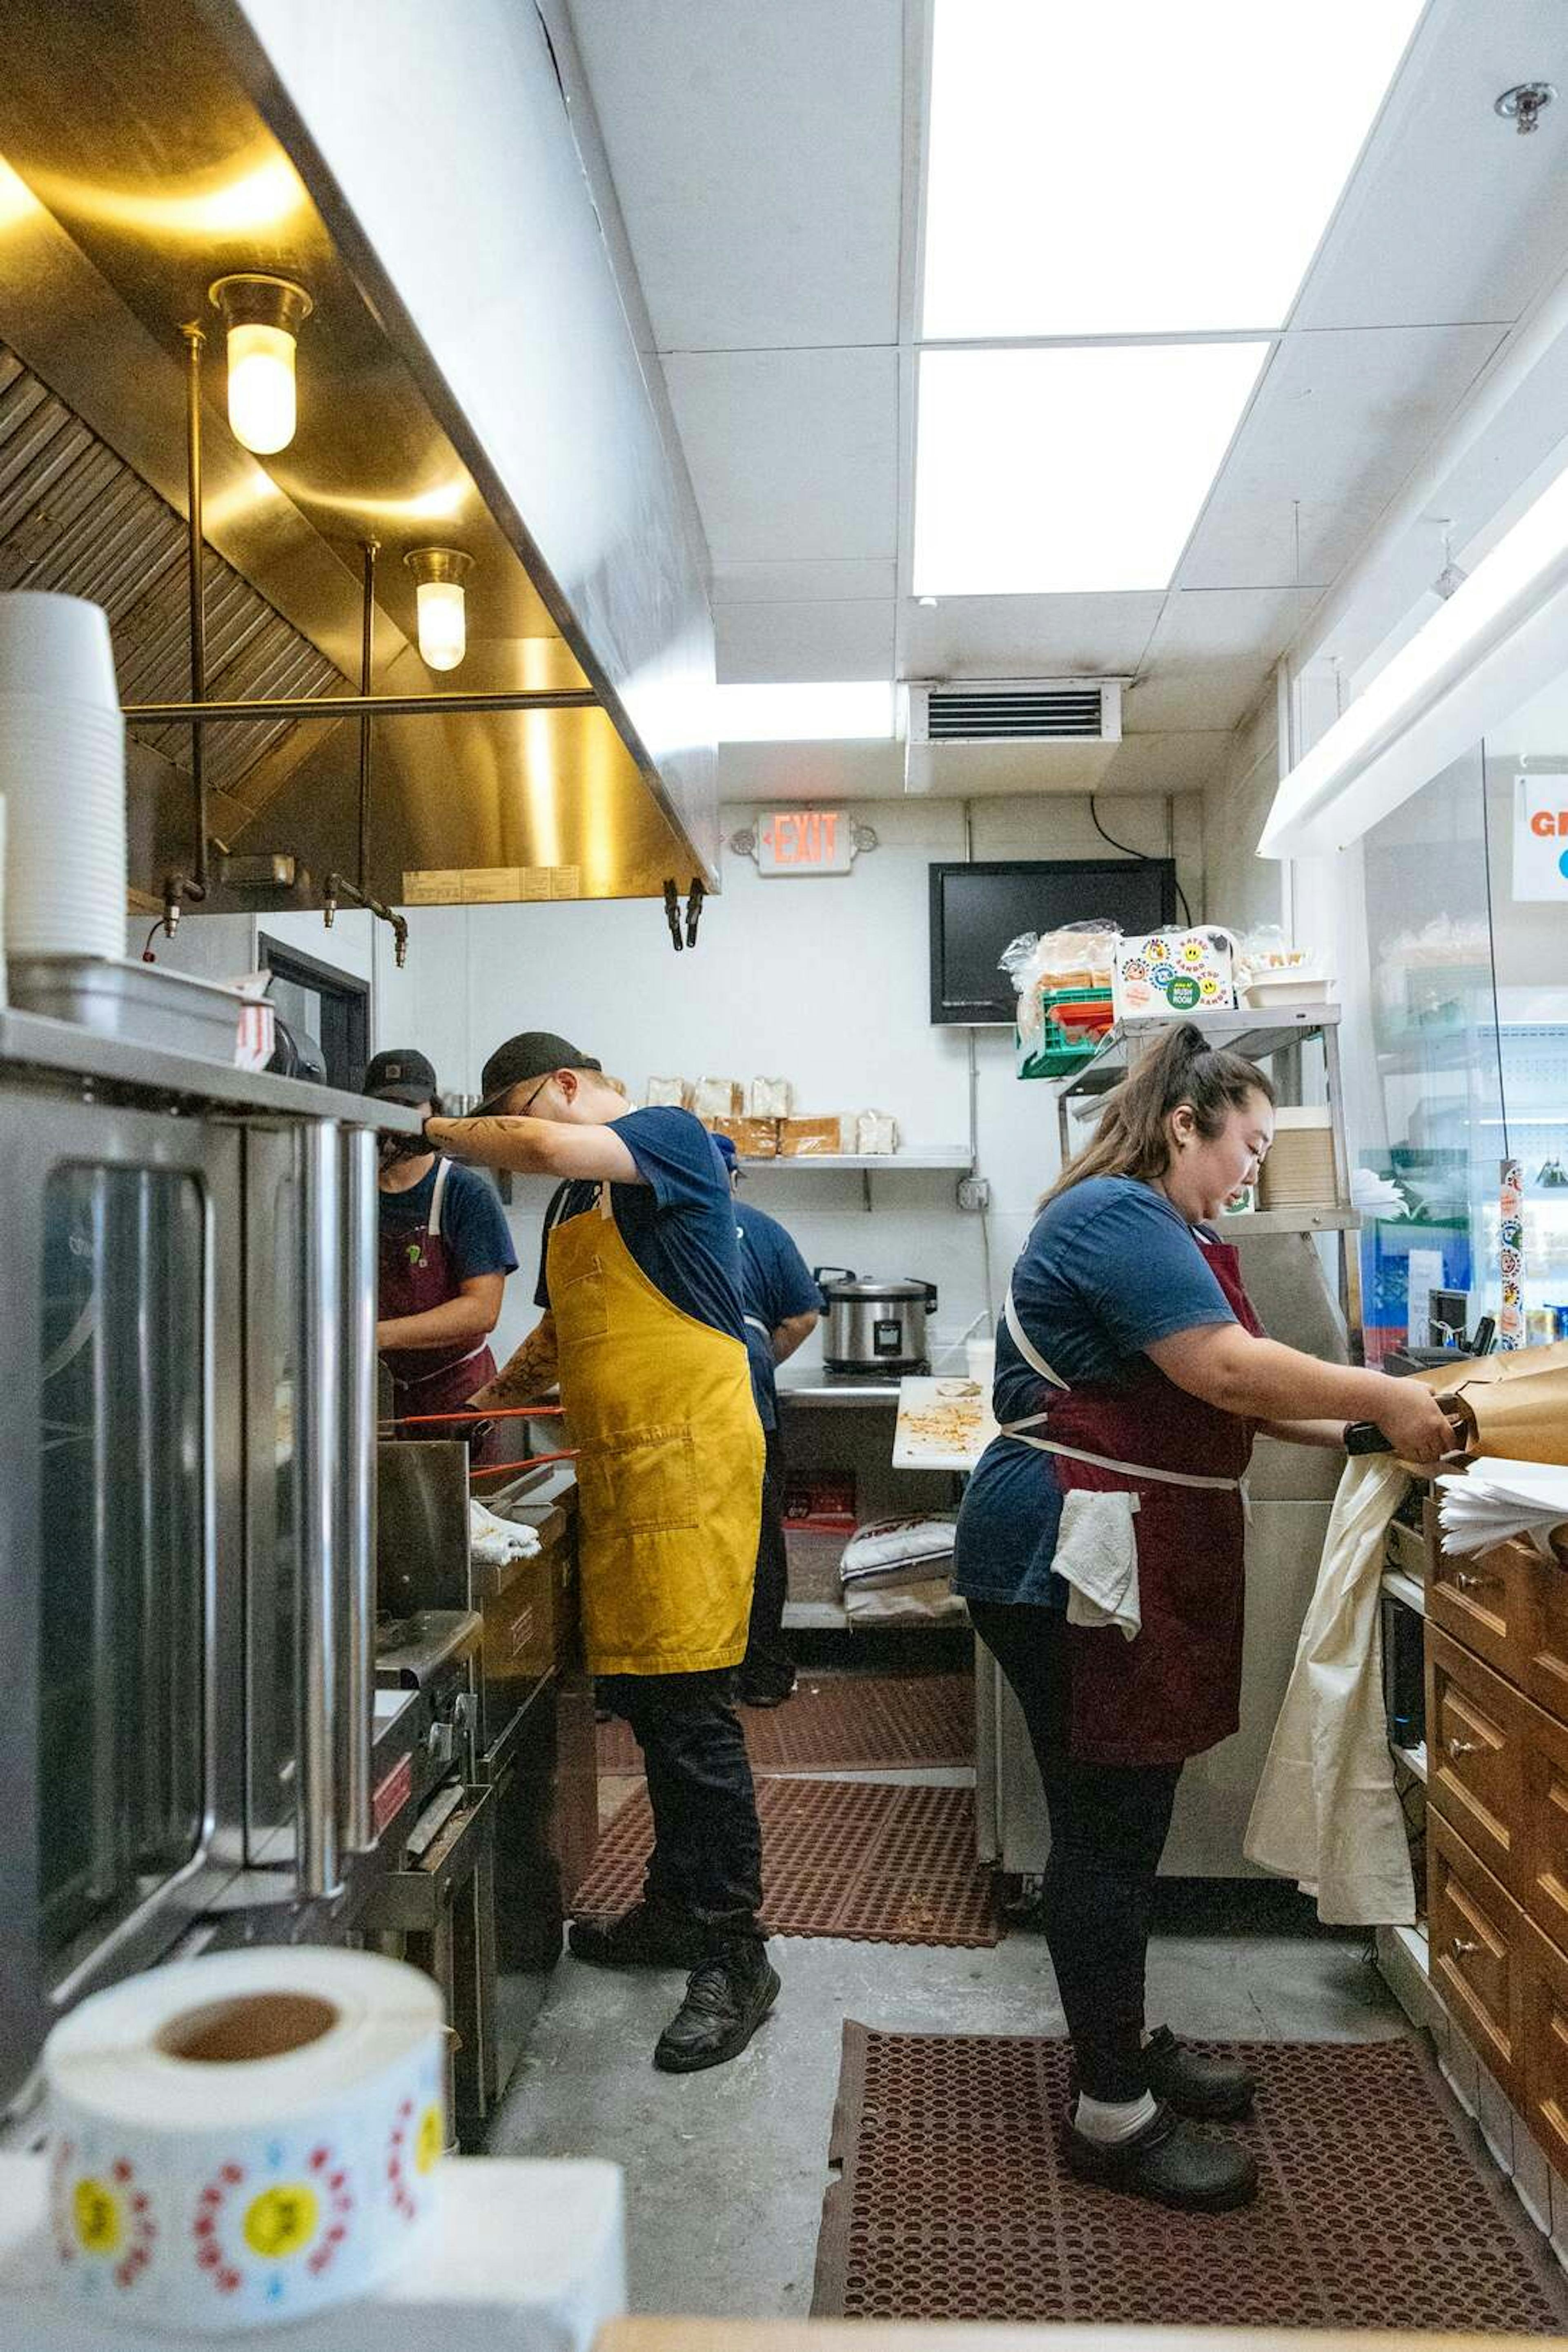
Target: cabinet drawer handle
pixel 1457 1747
pixel 1465 1583
pixel 1463 1947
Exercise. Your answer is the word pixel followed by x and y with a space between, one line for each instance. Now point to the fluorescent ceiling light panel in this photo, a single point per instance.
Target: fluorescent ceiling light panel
pixel 1102 167
pixel 1069 471
pixel 855 710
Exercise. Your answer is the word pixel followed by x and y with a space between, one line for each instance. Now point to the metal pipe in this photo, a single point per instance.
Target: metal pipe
pixel 319 1407
pixel 194 344
pixel 354 706
pixel 338 885
pixel 367 621
pixel 359 1443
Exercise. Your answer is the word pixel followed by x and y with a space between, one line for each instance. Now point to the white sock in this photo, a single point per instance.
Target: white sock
pixel 1111 2121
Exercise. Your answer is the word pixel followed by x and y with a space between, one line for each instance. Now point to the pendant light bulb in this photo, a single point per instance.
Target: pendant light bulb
pixel 443 618
pixel 262 316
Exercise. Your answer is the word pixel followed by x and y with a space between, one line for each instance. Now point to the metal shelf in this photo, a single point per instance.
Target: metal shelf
pixel 1413 1759
pixel 1256 1224
pixel 956 1157
pixel 1256 1032
pixel 839 1394
pixel 1400 1587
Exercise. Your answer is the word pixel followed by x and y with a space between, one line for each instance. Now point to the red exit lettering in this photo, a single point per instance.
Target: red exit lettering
pixel 802 837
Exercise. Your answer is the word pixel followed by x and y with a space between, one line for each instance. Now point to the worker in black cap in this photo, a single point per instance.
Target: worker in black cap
pixel 445 1253
pixel 644 1326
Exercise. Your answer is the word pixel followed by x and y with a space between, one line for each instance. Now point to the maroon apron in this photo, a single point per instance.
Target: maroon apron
pixel 1175 1689
pixel 417 1273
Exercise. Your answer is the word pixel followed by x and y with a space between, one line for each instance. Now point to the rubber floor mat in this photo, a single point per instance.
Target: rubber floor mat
pixel 850 1858
pixel 842 1723
pixel 1379 2207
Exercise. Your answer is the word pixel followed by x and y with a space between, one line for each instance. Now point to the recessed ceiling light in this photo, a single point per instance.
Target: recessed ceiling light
pixel 843 711
pixel 1069 470
pixel 1133 167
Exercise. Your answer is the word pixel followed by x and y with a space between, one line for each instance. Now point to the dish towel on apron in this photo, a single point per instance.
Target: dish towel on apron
pixel 1327 1812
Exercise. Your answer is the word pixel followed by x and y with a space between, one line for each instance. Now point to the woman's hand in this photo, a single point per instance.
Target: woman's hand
pixel 1414 1422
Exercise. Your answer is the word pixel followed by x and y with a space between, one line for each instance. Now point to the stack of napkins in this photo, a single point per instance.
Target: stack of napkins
pixel 494 1541
pixel 1377 1195
pixel 1497 1499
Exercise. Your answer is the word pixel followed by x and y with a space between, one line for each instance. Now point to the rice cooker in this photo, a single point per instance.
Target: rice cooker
pixel 874 1326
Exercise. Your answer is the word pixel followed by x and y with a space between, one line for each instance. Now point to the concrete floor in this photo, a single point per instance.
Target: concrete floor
pixel 726 2170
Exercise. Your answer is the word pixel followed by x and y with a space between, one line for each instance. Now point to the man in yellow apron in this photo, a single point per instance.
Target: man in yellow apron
pixel 644 1328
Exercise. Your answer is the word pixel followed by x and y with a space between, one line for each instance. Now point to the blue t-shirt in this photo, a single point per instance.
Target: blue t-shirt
pixel 776 1284
pixel 677 1223
pixel 1110 1269
pixel 473 1222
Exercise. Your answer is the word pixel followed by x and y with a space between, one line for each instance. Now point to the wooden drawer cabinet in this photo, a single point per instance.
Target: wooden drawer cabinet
pixel 1544 1825
pixel 1542 1626
pixel 1482 1601
pixel 1546 2045
pixel 1477 1954
pixel 1475 1757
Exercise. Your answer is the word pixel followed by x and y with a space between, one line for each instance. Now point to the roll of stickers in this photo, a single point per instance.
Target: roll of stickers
pixel 243 2139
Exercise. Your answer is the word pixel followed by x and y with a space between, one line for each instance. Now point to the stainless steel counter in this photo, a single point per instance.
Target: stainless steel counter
pixel 817 1390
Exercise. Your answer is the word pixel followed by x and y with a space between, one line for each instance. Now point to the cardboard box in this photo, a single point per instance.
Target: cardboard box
pixel 753 1139
pixel 809 1138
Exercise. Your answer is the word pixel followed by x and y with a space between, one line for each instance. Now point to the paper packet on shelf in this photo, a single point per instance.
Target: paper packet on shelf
pixel 718 1098
pixel 770 1098
pixel 875 1132
pixel 665 1094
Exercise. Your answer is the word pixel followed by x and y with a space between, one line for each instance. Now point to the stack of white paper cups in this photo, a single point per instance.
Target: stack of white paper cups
pixel 62 777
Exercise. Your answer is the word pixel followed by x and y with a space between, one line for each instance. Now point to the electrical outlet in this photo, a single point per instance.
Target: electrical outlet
pixel 975 1192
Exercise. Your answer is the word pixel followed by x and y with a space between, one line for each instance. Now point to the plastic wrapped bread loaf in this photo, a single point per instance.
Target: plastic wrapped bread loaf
pixel 665 1094
pixel 770 1098
pixel 876 1131
pixel 718 1098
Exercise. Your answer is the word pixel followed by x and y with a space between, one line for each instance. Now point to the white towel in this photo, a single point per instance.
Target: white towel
pixel 1097 1553
pixel 492 1541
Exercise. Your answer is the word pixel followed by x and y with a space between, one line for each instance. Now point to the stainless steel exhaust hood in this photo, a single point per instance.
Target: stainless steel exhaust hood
pixel 146 154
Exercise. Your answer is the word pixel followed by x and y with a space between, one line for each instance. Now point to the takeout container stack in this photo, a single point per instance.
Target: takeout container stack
pixel 62 779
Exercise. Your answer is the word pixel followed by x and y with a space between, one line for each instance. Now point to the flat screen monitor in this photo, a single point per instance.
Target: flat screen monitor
pixel 977 911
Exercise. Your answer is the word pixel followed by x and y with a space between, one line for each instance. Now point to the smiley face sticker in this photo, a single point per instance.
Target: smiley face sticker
pixel 282 2220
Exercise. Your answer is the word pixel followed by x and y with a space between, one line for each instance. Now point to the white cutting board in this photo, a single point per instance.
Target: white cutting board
pixel 944 1424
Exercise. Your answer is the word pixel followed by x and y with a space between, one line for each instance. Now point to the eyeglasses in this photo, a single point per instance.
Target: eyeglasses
pixel 533 1098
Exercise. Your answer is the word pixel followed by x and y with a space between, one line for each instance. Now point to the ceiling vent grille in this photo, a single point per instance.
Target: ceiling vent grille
pixel 1018 710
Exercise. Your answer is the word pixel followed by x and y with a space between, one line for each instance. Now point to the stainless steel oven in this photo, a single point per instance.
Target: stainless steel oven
pixel 186 1514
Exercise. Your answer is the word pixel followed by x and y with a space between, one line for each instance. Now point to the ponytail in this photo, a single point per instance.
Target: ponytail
pixel 1132 1138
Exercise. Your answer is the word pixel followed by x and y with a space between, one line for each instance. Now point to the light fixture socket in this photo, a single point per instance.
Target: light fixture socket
pixel 256 299
pixel 439 563
pixel 1524 104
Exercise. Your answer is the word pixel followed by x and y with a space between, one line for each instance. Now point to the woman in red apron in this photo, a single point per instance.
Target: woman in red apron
pixel 444 1254
pixel 1100 1548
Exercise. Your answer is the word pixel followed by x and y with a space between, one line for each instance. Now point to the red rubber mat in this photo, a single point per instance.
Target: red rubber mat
pixel 842 1723
pixel 850 1858
pixel 1379 2206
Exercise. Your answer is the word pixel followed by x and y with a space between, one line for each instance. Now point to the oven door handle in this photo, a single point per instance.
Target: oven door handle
pixel 319 1411
pixel 360 1207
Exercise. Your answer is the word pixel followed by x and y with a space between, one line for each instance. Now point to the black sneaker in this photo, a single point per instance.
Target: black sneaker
pixel 1207 2090
pixel 1170 2163
pixel 727 1999
pixel 651 1934
pixel 763 1693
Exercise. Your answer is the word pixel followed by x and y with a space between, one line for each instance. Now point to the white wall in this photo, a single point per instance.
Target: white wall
pixel 224 947
pixel 824 982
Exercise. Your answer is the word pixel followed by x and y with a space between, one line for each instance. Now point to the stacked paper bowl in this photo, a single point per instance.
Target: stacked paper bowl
pixel 62 779
pixel 1299 1172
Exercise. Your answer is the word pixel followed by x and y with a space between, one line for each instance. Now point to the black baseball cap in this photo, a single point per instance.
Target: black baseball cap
pixel 534 1054
pixel 401 1076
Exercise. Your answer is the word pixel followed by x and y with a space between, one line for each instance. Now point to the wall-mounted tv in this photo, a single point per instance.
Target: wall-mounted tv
pixel 977 911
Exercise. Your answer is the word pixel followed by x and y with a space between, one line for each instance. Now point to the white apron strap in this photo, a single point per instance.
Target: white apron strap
pixel 443 1170
pixel 1026 1348
pixel 606 1206
pixel 755 1323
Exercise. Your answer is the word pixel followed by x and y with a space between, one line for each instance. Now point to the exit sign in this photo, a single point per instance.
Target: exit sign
pixel 806 841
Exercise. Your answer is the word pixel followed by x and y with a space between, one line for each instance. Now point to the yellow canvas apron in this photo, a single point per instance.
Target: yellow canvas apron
pixel 670 1468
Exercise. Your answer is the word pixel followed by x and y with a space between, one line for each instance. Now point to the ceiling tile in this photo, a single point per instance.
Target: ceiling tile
pixel 757 154
pixel 1208 660
pixel 793 454
pixel 1454 216
pixel 1028 637
pixel 1339 421
pixel 775 644
pixel 792 583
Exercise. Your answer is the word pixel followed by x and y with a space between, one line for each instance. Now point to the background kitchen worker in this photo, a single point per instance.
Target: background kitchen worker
pixel 445 1253
pixel 1131 1365
pixel 641 1279
pixel 782 1305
